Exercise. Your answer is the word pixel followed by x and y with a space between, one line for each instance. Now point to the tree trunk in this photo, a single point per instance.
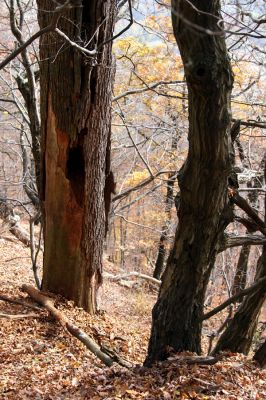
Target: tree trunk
pixel 240 278
pixel 76 114
pixel 242 265
pixel 159 264
pixel 240 331
pixel 203 181
pixel 260 355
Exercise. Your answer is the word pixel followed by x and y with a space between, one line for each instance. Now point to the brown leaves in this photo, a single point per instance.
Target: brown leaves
pixel 41 361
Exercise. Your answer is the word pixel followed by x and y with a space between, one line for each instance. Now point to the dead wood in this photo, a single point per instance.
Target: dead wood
pixel 116 278
pixel 20 234
pixel 107 358
pixel 8 299
pixel 209 360
pixel 18 316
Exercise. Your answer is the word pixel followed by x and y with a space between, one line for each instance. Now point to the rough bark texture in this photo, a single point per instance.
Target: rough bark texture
pixel 240 278
pixel 75 112
pixel 242 265
pixel 240 331
pixel 203 181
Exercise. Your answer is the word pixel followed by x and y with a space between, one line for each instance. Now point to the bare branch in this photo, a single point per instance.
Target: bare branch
pixel 231 240
pixel 234 298
pixel 142 184
pixel 145 89
pixel 243 204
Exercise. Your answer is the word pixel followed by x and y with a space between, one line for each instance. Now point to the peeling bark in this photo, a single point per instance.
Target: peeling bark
pixel 76 115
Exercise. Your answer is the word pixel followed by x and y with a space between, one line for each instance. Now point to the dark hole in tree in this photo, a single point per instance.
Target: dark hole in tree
pixel 201 71
pixel 76 172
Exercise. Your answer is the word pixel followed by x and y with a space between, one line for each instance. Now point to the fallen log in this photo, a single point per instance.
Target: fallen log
pixel 107 359
pixel 116 278
pixel 18 316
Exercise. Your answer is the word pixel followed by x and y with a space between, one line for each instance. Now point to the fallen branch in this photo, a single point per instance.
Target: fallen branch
pixel 107 359
pixel 18 316
pixel 202 360
pixel 4 297
pixel 20 234
pixel 234 298
pixel 115 278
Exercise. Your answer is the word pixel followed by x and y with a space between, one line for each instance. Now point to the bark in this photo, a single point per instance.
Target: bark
pixel 240 331
pixel 240 278
pixel 260 355
pixel 258 284
pixel 159 264
pixel 203 182
pixel 28 88
pixel 75 111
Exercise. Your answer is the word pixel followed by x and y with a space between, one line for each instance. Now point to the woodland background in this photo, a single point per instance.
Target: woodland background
pixel 149 133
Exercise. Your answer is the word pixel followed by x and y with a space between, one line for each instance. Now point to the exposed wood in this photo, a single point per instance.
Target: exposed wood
pixel 76 92
pixel 73 329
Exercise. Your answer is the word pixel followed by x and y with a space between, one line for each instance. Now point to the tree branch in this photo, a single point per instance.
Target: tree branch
pixel 74 330
pixel 231 240
pixel 243 204
pixel 237 296
pixel 142 184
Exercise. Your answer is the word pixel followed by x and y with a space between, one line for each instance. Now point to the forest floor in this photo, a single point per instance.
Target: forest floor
pixel 39 360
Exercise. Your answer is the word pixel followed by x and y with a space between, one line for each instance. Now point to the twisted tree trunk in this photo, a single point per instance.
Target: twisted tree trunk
pixel 203 180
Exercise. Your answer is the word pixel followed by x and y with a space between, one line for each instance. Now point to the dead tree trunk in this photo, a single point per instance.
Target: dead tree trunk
pixel 202 180
pixel 76 114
